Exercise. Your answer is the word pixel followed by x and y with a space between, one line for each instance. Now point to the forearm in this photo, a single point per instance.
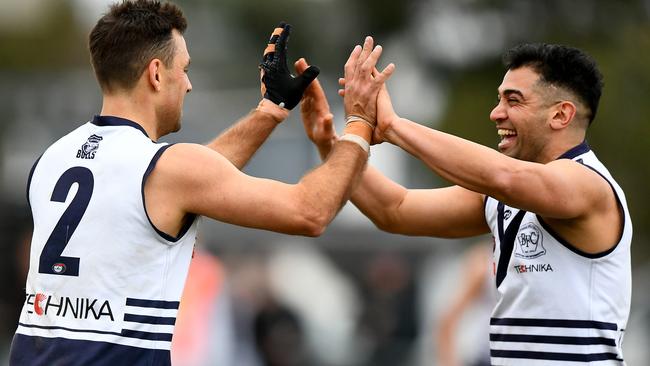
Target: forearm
pixel 240 142
pixel 378 198
pixel 328 187
pixel 457 160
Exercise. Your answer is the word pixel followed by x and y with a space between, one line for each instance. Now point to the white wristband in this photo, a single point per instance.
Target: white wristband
pixel 357 140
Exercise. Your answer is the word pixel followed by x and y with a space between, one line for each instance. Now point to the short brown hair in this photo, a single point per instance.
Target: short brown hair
pixel 129 36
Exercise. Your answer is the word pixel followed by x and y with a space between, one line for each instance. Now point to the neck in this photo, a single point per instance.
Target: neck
pixel 131 107
pixel 558 149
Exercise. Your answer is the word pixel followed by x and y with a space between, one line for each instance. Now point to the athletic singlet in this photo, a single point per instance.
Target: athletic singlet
pixel 556 304
pixel 104 284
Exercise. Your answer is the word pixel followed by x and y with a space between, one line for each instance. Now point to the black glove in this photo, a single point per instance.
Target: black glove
pixel 282 88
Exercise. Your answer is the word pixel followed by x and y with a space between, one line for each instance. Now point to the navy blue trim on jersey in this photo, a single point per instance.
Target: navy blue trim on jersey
pixel 29 178
pixel 124 333
pixel 573 248
pixel 532 338
pixel 188 220
pixel 42 351
pixel 506 240
pixel 157 304
pixel 146 335
pixel 116 121
pixel 553 323
pixel 577 150
pixel 146 319
pixel 51 327
pixel 555 356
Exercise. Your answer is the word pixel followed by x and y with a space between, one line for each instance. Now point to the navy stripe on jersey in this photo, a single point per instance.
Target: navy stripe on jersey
pixel 553 323
pixel 37 351
pixel 577 150
pixel 556 356
pixel 147 335
pixel 188 220
pixel 116 121
pixel 158 304
pixel 528 338
pixel 146 319
pixel 50 327
pixel 124 333
pixel 506 240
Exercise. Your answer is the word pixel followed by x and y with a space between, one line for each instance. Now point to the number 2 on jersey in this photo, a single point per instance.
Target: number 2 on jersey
pixel 51 260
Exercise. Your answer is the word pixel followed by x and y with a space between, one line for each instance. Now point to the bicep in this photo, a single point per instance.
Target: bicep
pixel 562 189
pixel 203 182
pixel 449 212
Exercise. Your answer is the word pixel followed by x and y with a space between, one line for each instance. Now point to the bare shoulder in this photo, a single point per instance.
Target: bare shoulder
pixel 599 224
pixel 186 161
pixel 585 183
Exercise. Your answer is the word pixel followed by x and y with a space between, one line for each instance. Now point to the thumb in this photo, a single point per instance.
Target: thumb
pixel 308 76
pixel 301 65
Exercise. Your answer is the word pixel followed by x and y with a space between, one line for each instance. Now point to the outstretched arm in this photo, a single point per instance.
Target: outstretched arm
pixel 447 212
pixel 281 92
pixel 192 179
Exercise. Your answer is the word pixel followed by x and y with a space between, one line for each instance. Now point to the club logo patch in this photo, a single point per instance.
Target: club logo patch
pixel 59 268
pixel 529 242
pixel 89 148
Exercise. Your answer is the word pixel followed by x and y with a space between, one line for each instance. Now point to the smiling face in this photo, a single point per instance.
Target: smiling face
pixel 522 115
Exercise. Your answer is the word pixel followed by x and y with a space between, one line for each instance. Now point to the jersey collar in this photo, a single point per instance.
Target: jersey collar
pixel 576 151
pixel 116 121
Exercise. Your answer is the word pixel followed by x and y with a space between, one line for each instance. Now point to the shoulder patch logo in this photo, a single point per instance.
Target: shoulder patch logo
pixel 529 242
pixel 89 148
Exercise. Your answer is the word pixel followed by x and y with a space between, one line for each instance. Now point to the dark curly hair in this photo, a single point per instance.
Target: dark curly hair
pixel 562 66
pixel 129 36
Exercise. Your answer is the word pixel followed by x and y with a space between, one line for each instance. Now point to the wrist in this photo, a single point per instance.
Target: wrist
pixel 359 126
pixel 390 133
pixel 276 112
pixel 360 141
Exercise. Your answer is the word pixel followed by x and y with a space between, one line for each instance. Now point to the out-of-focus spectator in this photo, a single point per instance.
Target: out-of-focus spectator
pixel 473 289
pixel 203 334
pixel 17 232
pixel 389 321
pixel 279 336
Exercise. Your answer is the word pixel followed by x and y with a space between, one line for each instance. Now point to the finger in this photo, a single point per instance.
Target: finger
pixel 350 64
pixel 301 65
pixel 365 53
pixel 341 92
pixel 280 58
pixel 308 76
pixel 342 82
pixel 370 62
pixel 270 47
pixel 386 73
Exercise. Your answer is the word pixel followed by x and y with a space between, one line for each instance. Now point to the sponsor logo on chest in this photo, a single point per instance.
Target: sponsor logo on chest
pixel 68 307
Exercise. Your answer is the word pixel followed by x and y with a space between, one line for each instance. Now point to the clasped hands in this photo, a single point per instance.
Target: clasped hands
pixel 367 105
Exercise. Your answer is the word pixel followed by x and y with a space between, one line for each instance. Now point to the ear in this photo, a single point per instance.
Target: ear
pixel 562 114
pixel 153 73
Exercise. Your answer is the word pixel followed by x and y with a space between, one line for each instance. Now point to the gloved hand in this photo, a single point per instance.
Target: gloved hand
pixel 278 85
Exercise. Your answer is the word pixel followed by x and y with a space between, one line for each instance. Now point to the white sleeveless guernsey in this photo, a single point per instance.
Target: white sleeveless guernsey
pixel 104 284
pixel 557 305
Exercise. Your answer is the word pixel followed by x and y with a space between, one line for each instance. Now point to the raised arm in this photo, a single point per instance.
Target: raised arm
pixel 281 92
pixel 446 212
pixel 192 179
pixel 573 199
